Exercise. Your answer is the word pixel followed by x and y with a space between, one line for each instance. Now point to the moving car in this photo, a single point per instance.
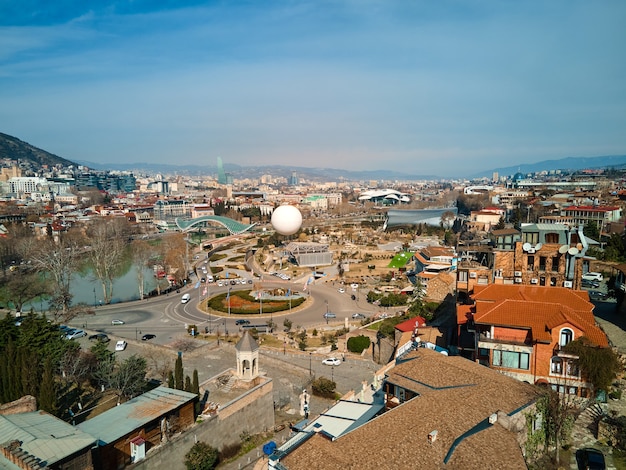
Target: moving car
pixel 341 290
pixel 592 276
pixel 590 459
pixel 242 322
pixel 99 337
pixel 358 316
pixel 117 322
pixel 148 337
pixel 597 295
pixel 185 298
pixel 328 315
pixel 331 361
pixel 121 345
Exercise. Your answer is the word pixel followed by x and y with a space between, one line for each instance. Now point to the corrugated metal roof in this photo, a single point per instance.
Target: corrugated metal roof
pixel 125 418
pixel 43 435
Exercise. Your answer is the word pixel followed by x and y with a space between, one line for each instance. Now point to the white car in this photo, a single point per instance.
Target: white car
pixel 342 290
pixel 591 276
pixel 354 286
pixel 120 345
pixel 331 361
pixel 185 298
pixel 76 334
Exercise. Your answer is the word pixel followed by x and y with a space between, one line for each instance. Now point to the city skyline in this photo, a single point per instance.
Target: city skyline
pixel 439 88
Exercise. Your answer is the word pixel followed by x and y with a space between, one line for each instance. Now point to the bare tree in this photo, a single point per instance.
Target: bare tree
pixel 142 254
pixel 174 250
pixel 106 253
pixel 58 261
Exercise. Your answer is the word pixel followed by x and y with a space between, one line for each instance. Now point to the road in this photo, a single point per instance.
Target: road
pixel 166 316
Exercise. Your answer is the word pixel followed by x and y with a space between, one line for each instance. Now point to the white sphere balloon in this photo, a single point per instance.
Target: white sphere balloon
pixel 286 220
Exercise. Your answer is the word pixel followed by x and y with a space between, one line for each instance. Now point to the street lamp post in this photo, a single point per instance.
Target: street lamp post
pixel 310 356
pixel 95 303
pixel 332 373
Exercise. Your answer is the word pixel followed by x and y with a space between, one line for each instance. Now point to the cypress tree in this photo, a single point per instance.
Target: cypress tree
pixel 170 380
pixel 187 384
pixel 179 376
pixel 47 392
pixel 195 385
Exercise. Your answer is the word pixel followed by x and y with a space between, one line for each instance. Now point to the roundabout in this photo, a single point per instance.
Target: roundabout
pixel 248 302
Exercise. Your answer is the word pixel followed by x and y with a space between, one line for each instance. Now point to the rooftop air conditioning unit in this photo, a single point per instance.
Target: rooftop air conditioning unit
pixel 493 418
pixel 432 436
pixel 567 284
pixel 534 281
pixel 518 280
pixel 518 274
pixel 531 250
pixel 472 275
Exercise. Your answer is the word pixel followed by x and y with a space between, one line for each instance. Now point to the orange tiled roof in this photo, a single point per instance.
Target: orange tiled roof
pixel 540 318
pixel 574 299
pixel 409 325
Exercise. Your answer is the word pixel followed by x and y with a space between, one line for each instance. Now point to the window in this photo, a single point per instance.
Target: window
pixel 566 336
pixel 553 281
pixel 530 266
pixel 483 352
pixel 462 276
pixel 531 237
pixel 552 237
pixel 556 365
pixel 542 281
pixel 510 359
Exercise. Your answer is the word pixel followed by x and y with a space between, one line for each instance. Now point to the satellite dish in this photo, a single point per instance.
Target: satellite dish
pixel 563 249
pixel 538 246
pixel 579 246
pixel 573 251
pixel 526 246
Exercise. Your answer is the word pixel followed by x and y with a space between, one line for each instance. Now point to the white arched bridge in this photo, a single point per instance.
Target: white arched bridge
pixel 234 227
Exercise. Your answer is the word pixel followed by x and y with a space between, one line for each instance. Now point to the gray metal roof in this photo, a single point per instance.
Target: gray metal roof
pixel 43 435
pixel 247 343
pixel 125 418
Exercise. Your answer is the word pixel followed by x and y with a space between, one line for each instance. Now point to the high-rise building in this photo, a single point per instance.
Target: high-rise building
pixel 293 180
pixel 221 175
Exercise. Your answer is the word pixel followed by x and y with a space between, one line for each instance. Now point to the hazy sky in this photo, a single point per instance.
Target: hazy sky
pixel 430 87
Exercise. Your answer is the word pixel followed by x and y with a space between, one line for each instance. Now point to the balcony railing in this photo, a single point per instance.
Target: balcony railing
pixel 504 339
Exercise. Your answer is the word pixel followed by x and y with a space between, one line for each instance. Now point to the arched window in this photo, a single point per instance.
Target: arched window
pixel 556 365
pixel 566 336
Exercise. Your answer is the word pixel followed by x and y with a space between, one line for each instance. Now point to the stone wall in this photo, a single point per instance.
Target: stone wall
pixel 253 413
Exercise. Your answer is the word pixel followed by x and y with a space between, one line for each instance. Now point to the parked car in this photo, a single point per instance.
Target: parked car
pixel 76 334
pixel 147 337
pixel 242 322
pixel 341 290
pixel 590 459
pixel 597 295
pixel 590 284
pixel 99 337
pixel 328 315
pixel 117 322
pixel 121 345
pixel 592 276
pixel 331 361
pixel 185 298
pixel 358 316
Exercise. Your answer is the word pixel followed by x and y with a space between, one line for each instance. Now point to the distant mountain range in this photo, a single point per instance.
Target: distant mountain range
pixel 569 163
pixel 16 149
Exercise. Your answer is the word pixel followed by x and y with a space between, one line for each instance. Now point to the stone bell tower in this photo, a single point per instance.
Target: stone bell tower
pixel 247 357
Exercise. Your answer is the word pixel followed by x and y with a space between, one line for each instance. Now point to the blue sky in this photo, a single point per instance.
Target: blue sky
pixel 429 87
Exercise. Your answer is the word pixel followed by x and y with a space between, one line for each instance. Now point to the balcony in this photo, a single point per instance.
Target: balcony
pixel 485 336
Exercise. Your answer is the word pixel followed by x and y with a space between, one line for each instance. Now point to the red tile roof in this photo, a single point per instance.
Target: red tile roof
pixel 409 325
